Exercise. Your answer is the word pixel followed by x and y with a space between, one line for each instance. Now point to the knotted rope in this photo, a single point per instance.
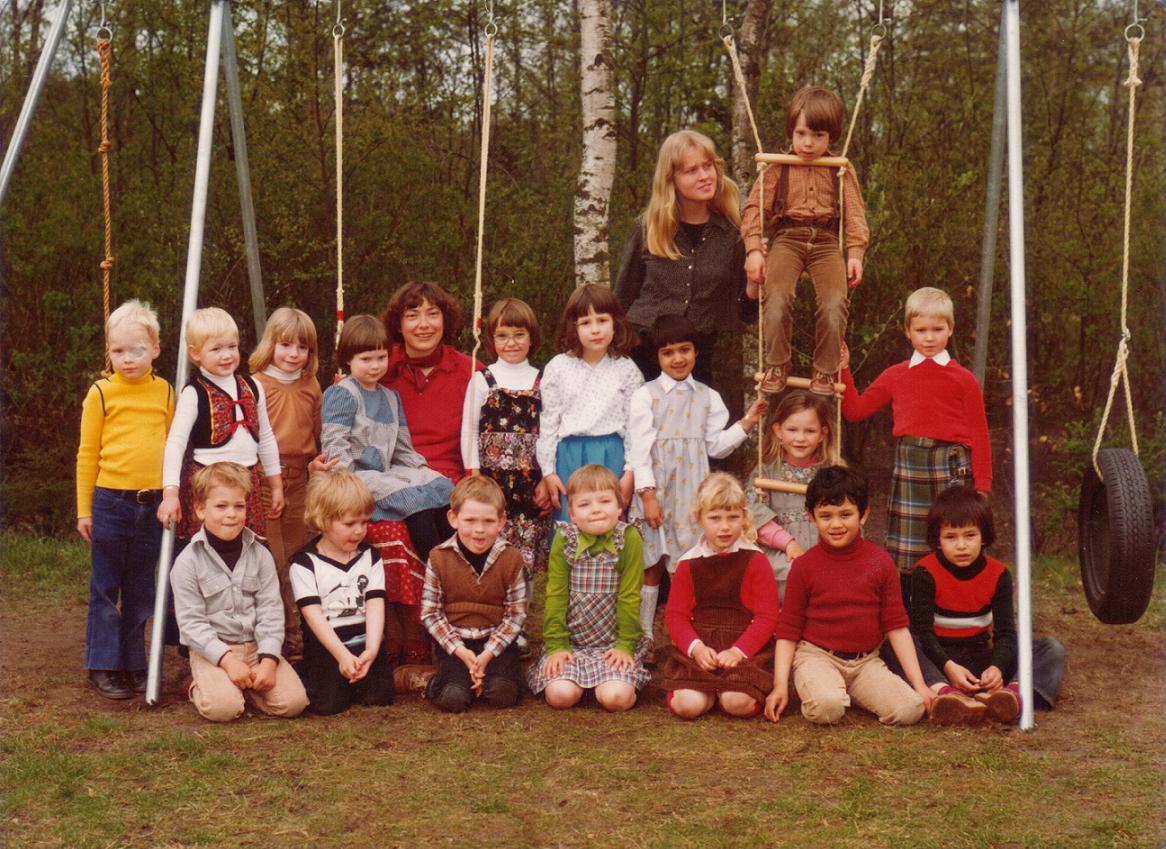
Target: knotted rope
pixel 104 47
pixel 338 94
pixel 484 156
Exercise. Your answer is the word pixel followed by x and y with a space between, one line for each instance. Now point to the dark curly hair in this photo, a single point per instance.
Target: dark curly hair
pixel 412 295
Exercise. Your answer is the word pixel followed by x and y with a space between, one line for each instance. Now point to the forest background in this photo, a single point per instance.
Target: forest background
pixel 412 121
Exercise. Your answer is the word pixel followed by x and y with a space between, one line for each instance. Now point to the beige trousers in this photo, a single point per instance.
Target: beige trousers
pixel 827 685
pixel 218 699
pixel 285 536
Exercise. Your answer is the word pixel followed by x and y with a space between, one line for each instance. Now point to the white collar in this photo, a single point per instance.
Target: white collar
pixel 225 382
pixel 282 376
pixel 500 366
pixel 702 549
pixel 668 383
pixel 940 359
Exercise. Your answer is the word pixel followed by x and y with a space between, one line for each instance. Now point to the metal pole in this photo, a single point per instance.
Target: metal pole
pixel 992 209
pixel 243 170
pixel 1019 366
pixel 34 89
pixel 202 173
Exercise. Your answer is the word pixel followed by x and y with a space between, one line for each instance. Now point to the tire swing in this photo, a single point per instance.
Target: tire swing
pixel 1115 521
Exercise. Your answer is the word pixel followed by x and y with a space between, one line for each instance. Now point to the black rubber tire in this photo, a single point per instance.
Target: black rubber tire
pixel 1115 534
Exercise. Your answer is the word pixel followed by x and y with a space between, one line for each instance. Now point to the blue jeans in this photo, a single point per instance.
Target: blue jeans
pixel 124 552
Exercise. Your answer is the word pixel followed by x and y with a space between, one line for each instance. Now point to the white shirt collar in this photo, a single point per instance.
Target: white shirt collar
pixel 702 549
pixel 941 359
pixel 282 376
pixel 668 383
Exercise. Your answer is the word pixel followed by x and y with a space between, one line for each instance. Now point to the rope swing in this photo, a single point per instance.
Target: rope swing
pixel 491 30
pixel 338 94
pixel 104 48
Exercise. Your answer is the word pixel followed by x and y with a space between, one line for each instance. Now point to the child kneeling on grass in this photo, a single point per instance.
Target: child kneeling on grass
pixel 841 599
pixel 338 581
pixel 961 613
pixel 474 602
pixel 230 614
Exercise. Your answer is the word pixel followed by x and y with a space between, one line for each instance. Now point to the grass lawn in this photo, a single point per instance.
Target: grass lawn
pixel 78 771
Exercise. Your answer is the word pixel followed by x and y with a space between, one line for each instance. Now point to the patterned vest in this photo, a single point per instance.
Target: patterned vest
pixel 216 422
pixel 963 608
pixel 471 600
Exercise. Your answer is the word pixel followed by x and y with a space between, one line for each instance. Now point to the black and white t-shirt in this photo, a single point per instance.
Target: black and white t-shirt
pixel 341 589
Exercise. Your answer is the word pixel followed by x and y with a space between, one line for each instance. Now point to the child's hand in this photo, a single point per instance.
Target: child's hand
pixel 627 485
pixel 478 670
pixel 542 498
pixel 618 660
pixel 85 528
pixel 730 658
pixel 169 511
pixel 554 663
pixel 755 413
pixel 276 483
pixel 844 361
pixel 853 272
pixel 321 463
pixel 264 676
pixel 554 489
pixel 350 667
pixel 653 513
pixel 991 679
pixel 961 677
pixel 928 696
pixel 237 670
pixel 467 657
pixel 776 702
pixel 793 550
pixel 704 657
pixel 754 272
pixel 366 659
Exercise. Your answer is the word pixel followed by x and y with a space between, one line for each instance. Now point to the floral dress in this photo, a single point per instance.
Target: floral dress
pixel 788 509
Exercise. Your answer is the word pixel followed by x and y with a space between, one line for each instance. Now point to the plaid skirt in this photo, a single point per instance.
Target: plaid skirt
pixel 189 524
pixel 923 468
pixel 404 571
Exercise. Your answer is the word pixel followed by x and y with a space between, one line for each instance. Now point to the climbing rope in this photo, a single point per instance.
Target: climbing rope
pixel 484 157
pixel 338 94
pixel 104 48
pixel 1134 35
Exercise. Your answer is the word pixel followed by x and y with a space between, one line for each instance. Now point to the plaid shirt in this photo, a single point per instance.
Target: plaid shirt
pixel 451 638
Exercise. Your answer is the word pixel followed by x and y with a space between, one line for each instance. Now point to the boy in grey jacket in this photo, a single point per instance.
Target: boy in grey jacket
pixel 230 615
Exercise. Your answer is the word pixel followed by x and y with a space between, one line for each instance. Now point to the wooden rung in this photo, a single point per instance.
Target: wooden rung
pixel 794 159
pixel 770 485
pixel 801 383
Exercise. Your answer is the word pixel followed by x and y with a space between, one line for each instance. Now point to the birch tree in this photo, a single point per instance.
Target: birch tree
pixel 597 169
pixel 750 47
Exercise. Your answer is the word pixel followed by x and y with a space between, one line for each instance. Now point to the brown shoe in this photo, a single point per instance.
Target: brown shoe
pixel 951 707
pixel 1002 705
pixel 774 379
pixel 822 383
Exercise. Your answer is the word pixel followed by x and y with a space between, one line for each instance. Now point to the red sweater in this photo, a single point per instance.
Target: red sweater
pixel 434 413
pixel 843 599
pixel 758 594
pixel 930 400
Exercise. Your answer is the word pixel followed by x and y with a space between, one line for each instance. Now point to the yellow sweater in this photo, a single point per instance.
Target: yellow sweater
pixel 123 434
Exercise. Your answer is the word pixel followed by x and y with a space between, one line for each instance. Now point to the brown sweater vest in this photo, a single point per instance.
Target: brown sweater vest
pixel 474 601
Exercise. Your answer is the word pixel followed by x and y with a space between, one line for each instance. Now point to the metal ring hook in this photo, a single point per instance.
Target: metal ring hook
pixel 491 29
pixel 103 29
pixel 726 31
pixel 1135 28
pixel 338 30
pixel 879 29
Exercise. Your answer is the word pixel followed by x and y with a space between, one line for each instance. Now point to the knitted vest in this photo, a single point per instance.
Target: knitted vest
pixel 471 600
pixel 963 608
pixel 216 422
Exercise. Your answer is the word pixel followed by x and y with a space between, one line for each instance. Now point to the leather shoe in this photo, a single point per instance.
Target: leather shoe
pixel 136 679
pixel 109 684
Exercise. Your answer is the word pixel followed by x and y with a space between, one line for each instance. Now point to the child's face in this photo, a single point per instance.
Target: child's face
pixel 722 527
pixel 290 355
pixel 345 532
pixel 800 435
pixel 131 350
pixel 960 546
pixel 422 328
pixel 677 360
pixel 809 144
pixel 594 512
pixel 477 524
pixel 219 355
pixel 695 176
pixel 368 367
pixel 929 334
pixel 224 513
pixel 512 343
pixel 839 524
pixel 596 330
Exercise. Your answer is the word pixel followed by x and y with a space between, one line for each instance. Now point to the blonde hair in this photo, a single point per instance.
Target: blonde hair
pixel 224 473
pixel 929 301
pixel 134 312
pixel 662 218
pixel 477 488
pixel 722 491
pixel 286 324
pixel 791 404
pixel 332 495
pixel 208 323
pixel 593 478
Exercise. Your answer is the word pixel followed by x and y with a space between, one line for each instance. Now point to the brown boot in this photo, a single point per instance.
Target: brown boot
pixel 822 383
pixel 775 378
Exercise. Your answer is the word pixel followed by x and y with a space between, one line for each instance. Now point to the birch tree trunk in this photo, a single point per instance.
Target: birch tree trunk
pixel 597 169
pixel 750 45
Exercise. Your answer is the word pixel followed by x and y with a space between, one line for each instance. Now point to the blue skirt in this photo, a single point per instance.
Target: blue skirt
pixel 575 452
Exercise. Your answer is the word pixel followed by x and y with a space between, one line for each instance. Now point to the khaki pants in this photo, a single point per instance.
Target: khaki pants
pixel 285 536
pixel 826 685
pixel 812 250
pixel 219 700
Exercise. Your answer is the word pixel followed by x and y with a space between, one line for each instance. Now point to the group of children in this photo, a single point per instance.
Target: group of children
pixel 768 590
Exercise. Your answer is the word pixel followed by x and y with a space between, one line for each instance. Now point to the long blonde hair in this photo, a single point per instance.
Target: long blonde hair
pixel 662 218
pixel 722 491
pixel 286 324
pixel 791 404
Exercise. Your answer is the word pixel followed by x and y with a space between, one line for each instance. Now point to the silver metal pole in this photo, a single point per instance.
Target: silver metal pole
pixel 34 89
pixel 1019 366
pixel 202 172
pixel 992 209
pixel 243 170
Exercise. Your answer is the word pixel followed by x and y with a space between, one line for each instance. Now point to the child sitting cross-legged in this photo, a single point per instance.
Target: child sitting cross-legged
pixel 226 599
pixel 474 602
pixel 842 598
pixel 961 613
pixel 339 585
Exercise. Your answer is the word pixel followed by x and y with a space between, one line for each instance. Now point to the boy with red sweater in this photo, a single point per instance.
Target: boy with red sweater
pixel 841 599
pixel 939 422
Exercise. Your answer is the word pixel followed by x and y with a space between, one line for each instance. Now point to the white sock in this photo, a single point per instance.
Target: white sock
pixel 648 597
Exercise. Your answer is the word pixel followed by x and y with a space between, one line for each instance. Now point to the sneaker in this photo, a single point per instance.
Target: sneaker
pixel 951 707
pixel 137 680
pixel 774 379
pixel 1002 705
pixel 109 684
pixel 822 383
